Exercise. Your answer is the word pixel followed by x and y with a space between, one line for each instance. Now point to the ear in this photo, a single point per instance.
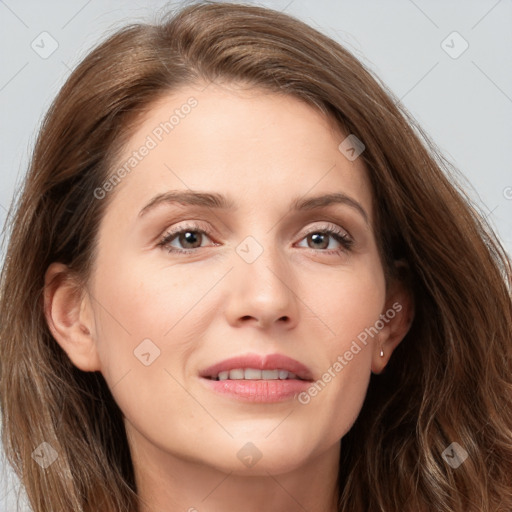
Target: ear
pixel 397 318
pixel 69 315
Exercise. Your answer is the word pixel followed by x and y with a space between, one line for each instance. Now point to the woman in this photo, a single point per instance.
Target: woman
pixel 238 278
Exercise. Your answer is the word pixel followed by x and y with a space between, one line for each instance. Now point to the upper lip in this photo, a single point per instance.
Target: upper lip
pixel 259 362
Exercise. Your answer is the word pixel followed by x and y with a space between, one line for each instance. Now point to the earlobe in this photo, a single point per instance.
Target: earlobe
pixel 398 316
pixel 69 317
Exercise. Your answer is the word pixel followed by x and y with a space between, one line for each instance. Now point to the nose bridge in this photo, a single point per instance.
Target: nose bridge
pixel 262 282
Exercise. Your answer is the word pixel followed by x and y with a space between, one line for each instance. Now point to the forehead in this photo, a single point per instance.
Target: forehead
pixel 255 147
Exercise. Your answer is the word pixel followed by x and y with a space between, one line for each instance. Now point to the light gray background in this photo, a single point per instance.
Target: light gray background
pixel 463 103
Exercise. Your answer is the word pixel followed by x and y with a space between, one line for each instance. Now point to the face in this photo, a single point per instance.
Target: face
pixel 179 287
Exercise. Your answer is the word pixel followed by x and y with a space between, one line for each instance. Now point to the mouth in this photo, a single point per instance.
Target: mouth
pixel 258 367
pixel 257 378
pixel 255 374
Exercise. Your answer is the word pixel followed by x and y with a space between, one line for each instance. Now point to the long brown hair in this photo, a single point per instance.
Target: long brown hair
pixel 450 379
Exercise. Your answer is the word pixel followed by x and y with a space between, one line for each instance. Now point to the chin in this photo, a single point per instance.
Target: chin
pixel 257 456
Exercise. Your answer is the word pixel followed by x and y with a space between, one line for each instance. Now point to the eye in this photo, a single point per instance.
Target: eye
pixel 190 237
pixel 319 239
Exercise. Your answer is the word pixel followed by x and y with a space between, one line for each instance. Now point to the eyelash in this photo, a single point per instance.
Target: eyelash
pixel 340 236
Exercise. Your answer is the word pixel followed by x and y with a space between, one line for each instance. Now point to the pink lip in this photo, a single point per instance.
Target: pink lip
pixel 260 362
pixel 267 391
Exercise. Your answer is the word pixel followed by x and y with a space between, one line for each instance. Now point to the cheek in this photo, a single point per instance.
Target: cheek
pixel 349 305
pixel 346 301
pixel 149 321
pixel 142 302
pixel 143 343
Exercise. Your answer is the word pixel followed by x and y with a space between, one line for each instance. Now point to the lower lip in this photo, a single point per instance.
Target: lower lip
pixel 266 391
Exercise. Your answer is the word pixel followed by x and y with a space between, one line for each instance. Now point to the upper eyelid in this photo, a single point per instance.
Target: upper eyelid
pixel 198 226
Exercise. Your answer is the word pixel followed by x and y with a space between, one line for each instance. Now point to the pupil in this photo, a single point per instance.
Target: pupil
pixel 318 237
pixel 189 238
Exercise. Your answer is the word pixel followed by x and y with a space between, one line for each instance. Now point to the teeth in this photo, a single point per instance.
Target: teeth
pixel 237 374
pixel 254 374
pixel 270 374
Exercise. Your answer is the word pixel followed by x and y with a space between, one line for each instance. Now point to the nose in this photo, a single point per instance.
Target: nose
pixel 263 293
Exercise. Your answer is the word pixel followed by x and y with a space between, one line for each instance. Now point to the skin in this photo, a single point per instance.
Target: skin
pixel 208 305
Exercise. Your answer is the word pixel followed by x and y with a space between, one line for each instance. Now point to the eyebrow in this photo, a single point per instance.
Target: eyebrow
pixel 219 201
